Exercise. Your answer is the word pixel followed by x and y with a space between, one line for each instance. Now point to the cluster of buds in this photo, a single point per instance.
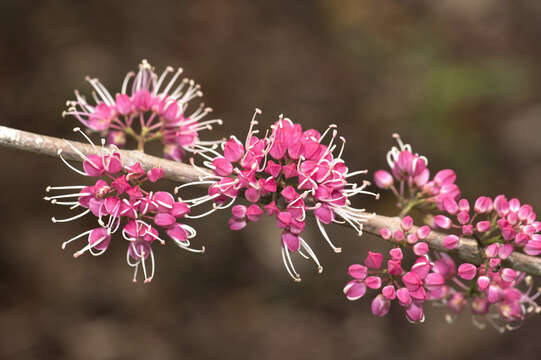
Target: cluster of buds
pixel 119 202
pixel 499 222
pixel 415 188
pixel 151 108
pixel 500 226
pixel 405 236
pixel 287 174
pixel 496 295
pixel 411 288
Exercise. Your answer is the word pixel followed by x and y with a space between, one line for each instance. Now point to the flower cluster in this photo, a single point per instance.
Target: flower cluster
pixel 411 288
pixel 494 293
pixel 406 236
pixel 286 174
pixel 151 108
pixel 118 201
pixel 501 222
pixel 499 226
pixel 411 170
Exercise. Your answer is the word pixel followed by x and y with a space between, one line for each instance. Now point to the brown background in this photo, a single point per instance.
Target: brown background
pixel 460 79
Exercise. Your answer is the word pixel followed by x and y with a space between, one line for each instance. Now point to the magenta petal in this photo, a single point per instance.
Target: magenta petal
pixel 357 271
pixel 164 219
pixel 291 241
pixel 354 290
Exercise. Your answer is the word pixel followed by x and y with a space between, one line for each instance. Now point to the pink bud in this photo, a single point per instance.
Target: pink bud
pixel 493 294
pixel 483 204
pixel 483 226
pixel 467 230
pixel 412 239
pixel 389 292
pixel 533 247
pixel 383 179
pixel 398 235
pixel 463 217
pixel 373 282
pixel 239 211
pixel 494 262
pixel 444 177
pixel 406 223
pixel 373 260
pixel 253 212
pixel 252 195
pixel 442 221
pixel 380 306
pixel 414 313
pixel 357 271
pixel 354 290
pixel 403 296
pixel 385 233
pixel 505 251
pixel 501 205
pixel 467 271
pixel 508 274
pixel 464 205
pixel 450 205
pixel 394 267
pixel 420 248
pixel 514 205
pixel 412 280
pixel 396 254
pixel 492 250
pixel 451 242
pixel 483 282
pixel 423 232
pixel 155 174
pixel 522 238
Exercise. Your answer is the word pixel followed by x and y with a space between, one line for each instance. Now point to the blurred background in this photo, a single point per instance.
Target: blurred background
pixel 459 79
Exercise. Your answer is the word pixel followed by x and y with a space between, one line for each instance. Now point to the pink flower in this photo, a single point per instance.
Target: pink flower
pixel 373 260
pixel 442 221
pixel 157 106
pixel 467 271
pixel 451 242
pixel 380 306
pixel 118 201
pixel 290 173
pixel 383 179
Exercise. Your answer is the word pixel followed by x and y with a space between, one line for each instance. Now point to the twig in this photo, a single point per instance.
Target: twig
pixel 467 249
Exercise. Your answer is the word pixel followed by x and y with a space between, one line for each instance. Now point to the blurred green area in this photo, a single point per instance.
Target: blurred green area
pixel 459 79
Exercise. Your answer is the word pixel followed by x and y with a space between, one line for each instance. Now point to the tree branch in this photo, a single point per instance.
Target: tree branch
pixel 467 249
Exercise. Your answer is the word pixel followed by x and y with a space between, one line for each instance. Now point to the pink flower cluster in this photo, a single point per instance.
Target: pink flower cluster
pixel 411 287
pixel 285 174
pixel 493 293
pixel 501 222
pixel 150 109
pixel 118 201
pixel 411 170
pixel 406 236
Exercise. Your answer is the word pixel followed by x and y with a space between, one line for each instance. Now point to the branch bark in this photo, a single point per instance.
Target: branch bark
pixel 467 249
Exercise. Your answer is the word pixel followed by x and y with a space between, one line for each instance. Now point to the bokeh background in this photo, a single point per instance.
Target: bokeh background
pixel 459 79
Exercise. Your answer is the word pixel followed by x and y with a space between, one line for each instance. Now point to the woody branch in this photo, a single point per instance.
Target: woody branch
pixel 467 249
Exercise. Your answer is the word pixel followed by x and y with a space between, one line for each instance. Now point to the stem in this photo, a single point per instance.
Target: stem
pixel 467 250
